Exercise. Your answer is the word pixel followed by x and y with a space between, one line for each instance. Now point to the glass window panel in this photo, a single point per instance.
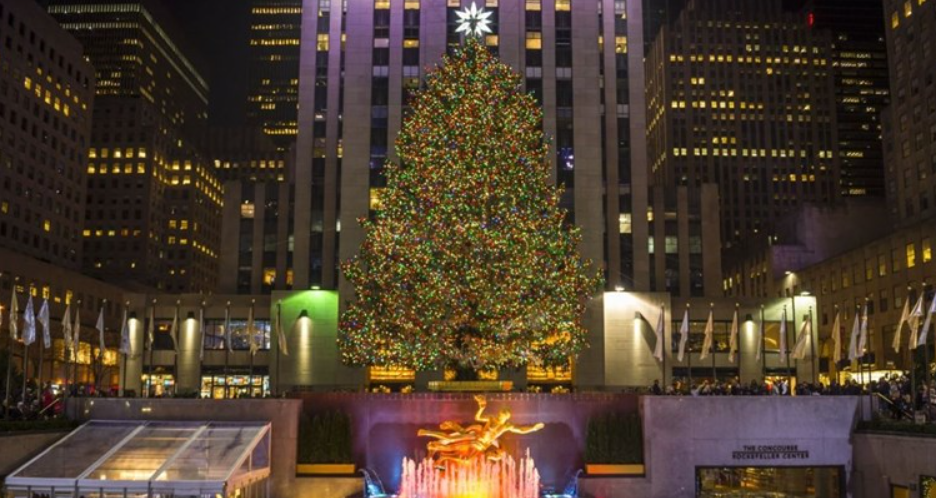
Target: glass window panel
pixel 84 447
pixel 140 457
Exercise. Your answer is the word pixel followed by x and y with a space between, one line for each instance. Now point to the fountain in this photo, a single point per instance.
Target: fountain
pixel 479 478
pixel 468 462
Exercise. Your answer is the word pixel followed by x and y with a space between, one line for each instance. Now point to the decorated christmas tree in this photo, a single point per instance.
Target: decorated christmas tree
pixel 469 261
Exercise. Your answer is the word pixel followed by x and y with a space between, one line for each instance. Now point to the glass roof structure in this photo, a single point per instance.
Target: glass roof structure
pixel 150 459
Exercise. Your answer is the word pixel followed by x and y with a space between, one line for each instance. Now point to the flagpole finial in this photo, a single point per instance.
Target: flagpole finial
pixel 154 300
pixel 228 303
pixel 178 302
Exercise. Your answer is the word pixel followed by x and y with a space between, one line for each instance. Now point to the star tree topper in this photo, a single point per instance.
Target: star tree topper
pixel 474 21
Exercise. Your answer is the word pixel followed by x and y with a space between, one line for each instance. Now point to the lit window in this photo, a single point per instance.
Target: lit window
pixel 908 9
pixel 625 224
pixel 927 250
pixel 620 44
pixel 47 225
pixel 895 20
pixel 882 265
pixel 247 210
pixel 322 42
pixel 534 5
pixel 911 255
pixel 534 40
pixel 563 5
pixel 375 202
pixel 269 276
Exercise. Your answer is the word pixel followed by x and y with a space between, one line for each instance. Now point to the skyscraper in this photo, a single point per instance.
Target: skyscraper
pixel 45 123
pixel 741 94
pixel 859 68
pixel 910 134
pixel 153 219
pixel 273 72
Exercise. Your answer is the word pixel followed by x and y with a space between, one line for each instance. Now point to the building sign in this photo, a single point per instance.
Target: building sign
pixel 770 452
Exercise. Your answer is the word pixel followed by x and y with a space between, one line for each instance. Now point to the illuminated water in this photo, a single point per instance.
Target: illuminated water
pixel 480 478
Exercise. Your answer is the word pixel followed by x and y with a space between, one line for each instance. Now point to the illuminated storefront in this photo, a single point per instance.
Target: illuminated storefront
pixel 776 482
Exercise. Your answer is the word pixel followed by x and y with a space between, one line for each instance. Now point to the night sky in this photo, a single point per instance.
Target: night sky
pixel 219 30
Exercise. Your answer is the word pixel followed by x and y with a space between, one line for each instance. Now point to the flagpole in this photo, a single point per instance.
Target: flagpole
pixel 689 354
pixel 279 323
pixel 667 347
pixel 227 350
pixel 812 347
pixel 175 356
pixel 786 344
pixel 763 344
pixel 711 350
pixel 251 337
pixel 152 341
pixel 76 335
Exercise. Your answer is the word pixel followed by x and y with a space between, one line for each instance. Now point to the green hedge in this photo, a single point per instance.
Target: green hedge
pixel 891 426
pixel 55 424
pixel 614 439
pixel 325 438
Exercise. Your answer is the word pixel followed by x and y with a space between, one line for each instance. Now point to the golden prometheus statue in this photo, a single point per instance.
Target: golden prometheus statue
pixel 455 443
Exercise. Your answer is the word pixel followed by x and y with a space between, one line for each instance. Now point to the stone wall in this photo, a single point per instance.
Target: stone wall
pixel 882 460
pixel 17 449
pixel 682 433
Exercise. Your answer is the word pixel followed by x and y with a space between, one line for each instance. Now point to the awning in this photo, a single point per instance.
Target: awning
pixel 143 458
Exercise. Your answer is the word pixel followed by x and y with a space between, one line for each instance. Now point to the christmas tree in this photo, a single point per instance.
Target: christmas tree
pixel 469 261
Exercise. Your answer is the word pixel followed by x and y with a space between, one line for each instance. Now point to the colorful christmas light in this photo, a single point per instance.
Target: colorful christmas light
pixel 470 261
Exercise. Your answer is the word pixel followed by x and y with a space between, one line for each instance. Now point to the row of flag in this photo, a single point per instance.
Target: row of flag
pixel 71 329
pixel 857 343
pixel 799 351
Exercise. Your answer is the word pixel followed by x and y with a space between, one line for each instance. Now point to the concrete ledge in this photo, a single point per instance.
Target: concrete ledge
pixel 18 449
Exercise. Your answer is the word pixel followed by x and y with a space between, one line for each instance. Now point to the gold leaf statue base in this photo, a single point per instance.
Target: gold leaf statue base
pixel 470 386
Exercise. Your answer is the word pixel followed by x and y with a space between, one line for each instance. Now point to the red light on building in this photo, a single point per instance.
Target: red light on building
pixel 811 19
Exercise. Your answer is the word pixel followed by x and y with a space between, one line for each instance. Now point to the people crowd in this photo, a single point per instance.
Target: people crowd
pixel 894 393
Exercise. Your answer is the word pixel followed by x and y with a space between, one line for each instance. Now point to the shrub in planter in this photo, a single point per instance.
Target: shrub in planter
pixel 324 438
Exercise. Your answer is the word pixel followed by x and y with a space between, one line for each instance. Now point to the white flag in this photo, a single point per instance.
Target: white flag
pixel 14 316
pixel 837 338
pixel 125 347
pixel 914 322
pixel 174 330
pixel 76 333
pixel 44 321
pixel 802 342
pixel 760 338
pixel 201 332
pixel 660 335
pixel 100 328
pixel 683 335
pixel 29 322
pixel 733 337
pixel 783 349
pixel 904 316
pixel 280 333
pixel 853 338
pixel 921 341
pixel 709 331
pixel 151 327
pixel 251 333
pixel 67 329
pixel 228 335
pixel 863 334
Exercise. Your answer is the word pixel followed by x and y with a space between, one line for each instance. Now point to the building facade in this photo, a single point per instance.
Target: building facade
pixel 741 94
pixel 910 127
pixel 273 71
pixel 153 219
pixel 859 66
pixel 46 99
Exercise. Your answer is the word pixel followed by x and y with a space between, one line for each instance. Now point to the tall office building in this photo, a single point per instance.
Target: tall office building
pixel 154 200
pixel 46 94
pixel 273 72
pixel 583 61
pixel 741 94
pixel 859 67
pixel 257 213
pixel 910 134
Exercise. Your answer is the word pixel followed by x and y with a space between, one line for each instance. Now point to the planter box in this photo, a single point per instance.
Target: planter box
pixel 615 469
pixel 318 469
pixel 471 386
